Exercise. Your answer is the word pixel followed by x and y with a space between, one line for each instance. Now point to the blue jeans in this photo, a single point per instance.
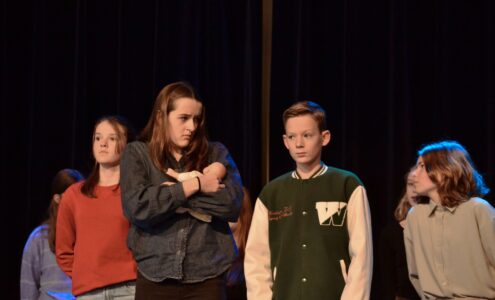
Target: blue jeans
pixel 120 291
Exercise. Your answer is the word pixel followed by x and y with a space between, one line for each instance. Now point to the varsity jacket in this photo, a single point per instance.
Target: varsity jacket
pixel 310 239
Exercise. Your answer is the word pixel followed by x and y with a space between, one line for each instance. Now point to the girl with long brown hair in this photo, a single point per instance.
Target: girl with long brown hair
pixel 179 256
pixel 91 227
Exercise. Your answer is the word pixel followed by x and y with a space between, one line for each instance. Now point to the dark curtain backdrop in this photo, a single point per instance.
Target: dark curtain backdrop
pixel 392 76
pixel 66 63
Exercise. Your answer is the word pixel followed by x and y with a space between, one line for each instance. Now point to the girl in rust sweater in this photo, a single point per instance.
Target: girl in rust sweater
pixel 91 227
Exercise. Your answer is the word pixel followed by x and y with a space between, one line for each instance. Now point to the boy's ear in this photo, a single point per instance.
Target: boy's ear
pixel 285 141
pixel 326 136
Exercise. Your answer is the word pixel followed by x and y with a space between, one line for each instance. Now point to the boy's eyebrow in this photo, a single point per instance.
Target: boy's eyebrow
pixel 304 131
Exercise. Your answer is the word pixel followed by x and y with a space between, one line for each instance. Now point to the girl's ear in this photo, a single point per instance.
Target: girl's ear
pixel 159 117
pixel 439 177
pixel 326 136
pixel 436 177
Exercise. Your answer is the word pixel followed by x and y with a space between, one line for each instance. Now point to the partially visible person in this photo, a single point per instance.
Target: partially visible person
pixel 450 242
pixel 214 168
pixel 236 281
pixel 394 277
pixel 91 227
pixel 179 256
pixel 41 277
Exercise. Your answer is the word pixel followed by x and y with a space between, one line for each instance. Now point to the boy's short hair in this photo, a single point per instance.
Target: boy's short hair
pixel 307 108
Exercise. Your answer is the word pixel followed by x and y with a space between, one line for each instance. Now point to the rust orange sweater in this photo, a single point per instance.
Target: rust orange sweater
pixel 91 239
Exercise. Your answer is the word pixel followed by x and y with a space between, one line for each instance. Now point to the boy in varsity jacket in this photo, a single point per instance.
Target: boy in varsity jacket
pixel 310 236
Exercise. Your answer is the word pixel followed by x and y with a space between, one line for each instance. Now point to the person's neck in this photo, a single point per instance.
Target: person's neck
pixel 306 171
pixel 177 154
pixel 435 197
pixel 109 175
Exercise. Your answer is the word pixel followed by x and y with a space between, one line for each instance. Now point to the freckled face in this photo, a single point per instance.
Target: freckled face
pixel 183 122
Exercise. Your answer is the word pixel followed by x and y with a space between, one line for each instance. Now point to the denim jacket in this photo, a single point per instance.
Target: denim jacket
pixel 167 244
